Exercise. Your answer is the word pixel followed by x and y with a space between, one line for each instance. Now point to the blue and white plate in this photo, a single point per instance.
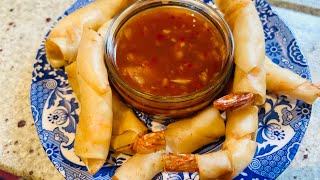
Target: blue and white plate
pixel 282 121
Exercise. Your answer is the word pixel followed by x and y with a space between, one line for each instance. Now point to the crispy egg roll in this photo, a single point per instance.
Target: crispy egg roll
pixel 247 30
pixel 243 19
pixel 286 82
pixel 242 122
pixel 94 73
pixel 94 164
pixel 124 142
pixel 254 81
pixel 94 129
pixel 241 152
pixel 124 118
pixel 189 134
pixel 140 167
pixel 240 128
pixel 215 165
pixel 248 34
pixel 63 40
pixel 126 126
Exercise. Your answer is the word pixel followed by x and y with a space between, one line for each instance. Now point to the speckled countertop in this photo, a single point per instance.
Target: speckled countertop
pixel 23 25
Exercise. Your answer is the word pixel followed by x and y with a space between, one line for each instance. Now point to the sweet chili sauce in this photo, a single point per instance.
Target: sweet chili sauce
pixel 169 51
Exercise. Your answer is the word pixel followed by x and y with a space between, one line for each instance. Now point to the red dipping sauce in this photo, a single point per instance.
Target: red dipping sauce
pixel 169 51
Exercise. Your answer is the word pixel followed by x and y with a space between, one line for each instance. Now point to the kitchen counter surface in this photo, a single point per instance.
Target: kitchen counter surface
pixel 23 25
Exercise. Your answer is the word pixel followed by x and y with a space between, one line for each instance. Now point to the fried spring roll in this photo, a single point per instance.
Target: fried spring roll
pixel 185 135
pixel 247 30
pixel 286 82
pixel 242 122
pixel 63 40
pixel 140 167
pixel 124 118
pixel 94 129
pixel 254 82
pixel 240 127
pixel 124 142
pixel 248 33
pixel 126 126
pixel 241 152
pixel 215 165
pixel 188 135
pixel 243 19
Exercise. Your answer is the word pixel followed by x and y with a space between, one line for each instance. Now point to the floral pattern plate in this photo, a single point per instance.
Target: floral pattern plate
pixel 282 121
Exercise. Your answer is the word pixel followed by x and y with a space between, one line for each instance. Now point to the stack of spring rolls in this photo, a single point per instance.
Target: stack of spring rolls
pixel 249 76
pixel 77 42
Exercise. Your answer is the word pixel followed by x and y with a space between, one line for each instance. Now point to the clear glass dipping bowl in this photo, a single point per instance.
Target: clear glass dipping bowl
pixel 167 107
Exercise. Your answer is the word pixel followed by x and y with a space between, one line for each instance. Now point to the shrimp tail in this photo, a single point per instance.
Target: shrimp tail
pixel 180 162
pixel 150 142
pixel 234 101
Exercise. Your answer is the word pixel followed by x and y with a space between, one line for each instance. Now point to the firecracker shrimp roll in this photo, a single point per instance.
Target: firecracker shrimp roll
pixel 286 82
pixel 250 74
pixel 141 167
pixel 63 41
pixel 94 129
pixel 185 135
pixel 126 126
pixel 190 134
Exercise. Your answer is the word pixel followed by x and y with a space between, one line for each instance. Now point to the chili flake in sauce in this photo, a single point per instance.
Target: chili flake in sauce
pixel 169 51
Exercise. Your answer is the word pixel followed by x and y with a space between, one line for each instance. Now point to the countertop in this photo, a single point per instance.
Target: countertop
pixel 23 25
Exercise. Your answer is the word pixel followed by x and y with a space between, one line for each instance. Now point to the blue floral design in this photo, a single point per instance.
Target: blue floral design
pixel 181 176
pixel 60 137
pixel 57 93
pixel 120 161
pixel 51 150
pixel 267 128
pixel 70 113
pixel 287 116
pixel 304 111
pixel 293 150
pixel 273 49
pixel 305 73
pixel 76 176
pixel 264 8
pixel 58 117
pixel 269 33
pixel 275 60
pixel 295 54
pixel 265 150
pixel 207 1
pixel 297 118
pixel 174 176
pixel 279 134
pixel 105 173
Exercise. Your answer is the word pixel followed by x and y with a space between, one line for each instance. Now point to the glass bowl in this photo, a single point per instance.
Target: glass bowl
pixel 167 107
